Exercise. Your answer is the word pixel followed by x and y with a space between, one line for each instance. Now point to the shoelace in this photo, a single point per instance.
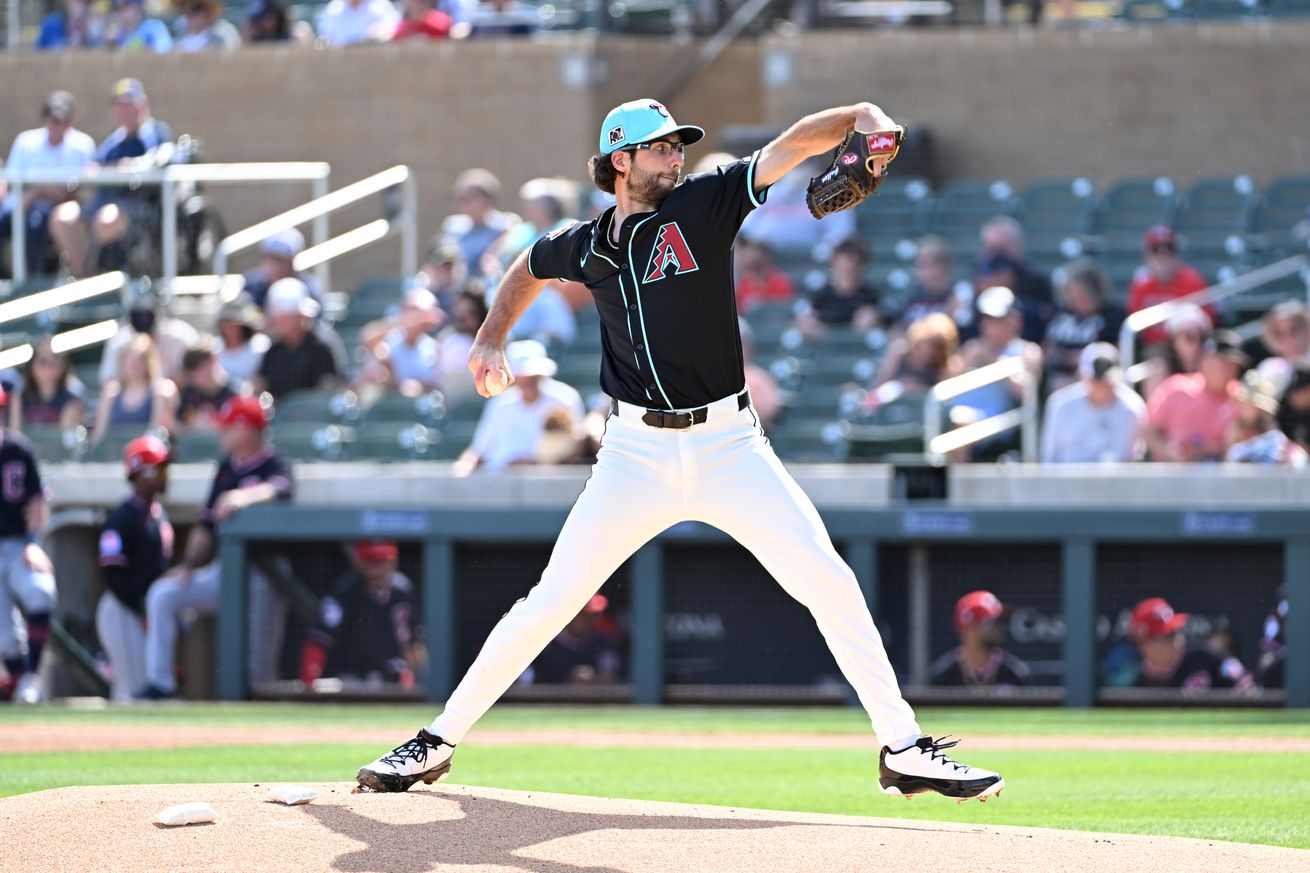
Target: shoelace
pixel 934 748
pixel 414 750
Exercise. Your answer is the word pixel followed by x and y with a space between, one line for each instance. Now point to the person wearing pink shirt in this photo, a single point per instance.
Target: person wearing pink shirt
pixel 1189 415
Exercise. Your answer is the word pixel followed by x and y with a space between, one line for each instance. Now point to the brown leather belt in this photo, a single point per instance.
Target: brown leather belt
pixel 685 419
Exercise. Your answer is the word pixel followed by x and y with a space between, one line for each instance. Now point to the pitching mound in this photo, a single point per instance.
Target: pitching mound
pixel 459 828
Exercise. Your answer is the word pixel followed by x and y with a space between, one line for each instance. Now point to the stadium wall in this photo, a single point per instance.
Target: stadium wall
pixel 1186 101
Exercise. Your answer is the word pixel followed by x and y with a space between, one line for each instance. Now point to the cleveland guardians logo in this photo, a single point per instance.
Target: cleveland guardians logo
pixel 671 250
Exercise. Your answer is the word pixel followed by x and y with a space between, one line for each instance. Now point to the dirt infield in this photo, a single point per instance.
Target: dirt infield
pixel 480 829
pixel 29 737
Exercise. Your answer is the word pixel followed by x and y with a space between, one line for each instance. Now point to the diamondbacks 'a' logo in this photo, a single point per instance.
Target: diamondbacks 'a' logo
pixel 671 250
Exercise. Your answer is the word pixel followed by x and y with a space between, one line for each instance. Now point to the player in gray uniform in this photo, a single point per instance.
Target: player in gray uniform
pixel 27 579
pixel 682 441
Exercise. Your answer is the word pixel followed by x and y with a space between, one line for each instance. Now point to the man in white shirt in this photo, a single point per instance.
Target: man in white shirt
pixel 346 22
pixel 514 423
pixel 56 145
pixel 1097 418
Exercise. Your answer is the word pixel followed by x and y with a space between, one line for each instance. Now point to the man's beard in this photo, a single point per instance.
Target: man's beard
pixel 649 188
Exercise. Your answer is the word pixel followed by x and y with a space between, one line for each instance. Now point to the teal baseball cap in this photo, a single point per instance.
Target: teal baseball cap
pixel 639 121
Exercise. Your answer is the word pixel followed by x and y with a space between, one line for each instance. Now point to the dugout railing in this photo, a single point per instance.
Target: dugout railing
pixel 1072 554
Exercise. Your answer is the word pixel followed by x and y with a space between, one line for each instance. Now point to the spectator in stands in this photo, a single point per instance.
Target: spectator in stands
pixel 505 18
pixel 267 21
pixel 1000 336
pixel 784 221
pixel 204 390
pixel 1097 418
pixel 149 316
pixel 421 21
pixel 444 272
pixel 27 587
pixel 349 22
pixel 240 345
pixel 766 397
pixel 1272 667
pixel 479 224
pixel 278 255
pixel 252 472
pixel 1003 236
pixel 589 651
pixel 368 626
pixel 1186 332
pixel 1294 406
pixel 454 342
pixel 546 207
pixel 759 279
pixel 135 141
pixel 1163 277
pixel 1084 316
pixel 1163 658
pixel 548 319
pixel 1254 437
pixel 934 288
pixel 922 357
pixel 134 32
pixel 402 349
pixel 56 145
pixel 1285 332
pixel 81 26
pixel 1190 414
pixel 980 659
pixel 136 545
pixel 847 300
pixel 203 27
pixel 1001 271
pixel 141 397
pixel 513 423
pixel 297 359
pixel 51 395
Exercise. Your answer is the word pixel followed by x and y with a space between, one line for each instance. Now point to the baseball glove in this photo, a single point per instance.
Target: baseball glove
pixel 853 175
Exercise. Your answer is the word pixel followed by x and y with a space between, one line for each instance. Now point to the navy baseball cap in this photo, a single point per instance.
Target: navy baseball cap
pixel 639 121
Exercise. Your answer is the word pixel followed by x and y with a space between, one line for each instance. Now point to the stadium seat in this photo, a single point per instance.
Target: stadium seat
pixel 1133 205
pixel 383 440
pixel 962 207
pixel 1289 8
pixel 198 447
pixel 1216 208
pixel 1285 203
pixel 111 445
pixel 53 444
pixel 898 211
pixel 1053 210
pixel 427 409
pixel 455 438
pixel 468 410
pixel 312 441
pixel 804 439
pixel 316 407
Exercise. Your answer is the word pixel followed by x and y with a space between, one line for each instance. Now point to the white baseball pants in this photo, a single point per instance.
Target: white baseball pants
pixel 724 473
pixel 168 598
pixel 20 586
pixel 123 634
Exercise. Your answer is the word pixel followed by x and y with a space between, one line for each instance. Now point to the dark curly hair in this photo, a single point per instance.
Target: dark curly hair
pixel 603 172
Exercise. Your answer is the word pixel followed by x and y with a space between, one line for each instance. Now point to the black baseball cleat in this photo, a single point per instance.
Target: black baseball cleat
pixel 925 767
pixel 426 758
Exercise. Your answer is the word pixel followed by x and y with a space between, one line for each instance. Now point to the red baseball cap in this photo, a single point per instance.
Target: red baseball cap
pixel 1158 236
pixel 242 410
pixel 376 550
pixel 1154 617
pixel 145 452
pixel 977 607
pixel 597 603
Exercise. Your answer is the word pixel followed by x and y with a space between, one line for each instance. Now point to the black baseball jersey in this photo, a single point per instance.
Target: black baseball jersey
pixel 1200 669
pixel 366 630
pixel 1003 669
pixel 665 294
pixel 136 544
pixel 20 481
pixel 266 466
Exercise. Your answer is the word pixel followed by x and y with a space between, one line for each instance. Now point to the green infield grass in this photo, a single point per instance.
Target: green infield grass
pixel 1256 797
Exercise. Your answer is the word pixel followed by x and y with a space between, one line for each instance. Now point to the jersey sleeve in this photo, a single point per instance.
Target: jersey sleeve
pixel 33 486
pixel 558 255
pixel 280 476
pixel 728 192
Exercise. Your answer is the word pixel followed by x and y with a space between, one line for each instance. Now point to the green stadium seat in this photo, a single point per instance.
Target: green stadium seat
pixel 319 407
pixel 1289 8
pixel 312 441
pixel 898 211
pixel 1285 203
pixel 1133 205
pixel 390 440
pixel 198 446
pixel 455 438
pixel 808 440
pixel 53 444
pixel 877 442
pixel 1217 206
pixel 427 409
pixel 465 411
pixel 111 445
pixel 963 206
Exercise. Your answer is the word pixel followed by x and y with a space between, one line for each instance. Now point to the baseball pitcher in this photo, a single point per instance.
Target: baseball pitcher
pixel 682 440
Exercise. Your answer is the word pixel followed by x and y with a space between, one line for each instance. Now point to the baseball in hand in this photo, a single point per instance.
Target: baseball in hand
pixel 496 381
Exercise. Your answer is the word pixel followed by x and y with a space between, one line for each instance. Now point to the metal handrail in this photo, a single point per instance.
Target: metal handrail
pixel 166 177
pixel 63 343
pixel 73 292
pixel 1153 315
pixel 937 445
pixel 320 207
